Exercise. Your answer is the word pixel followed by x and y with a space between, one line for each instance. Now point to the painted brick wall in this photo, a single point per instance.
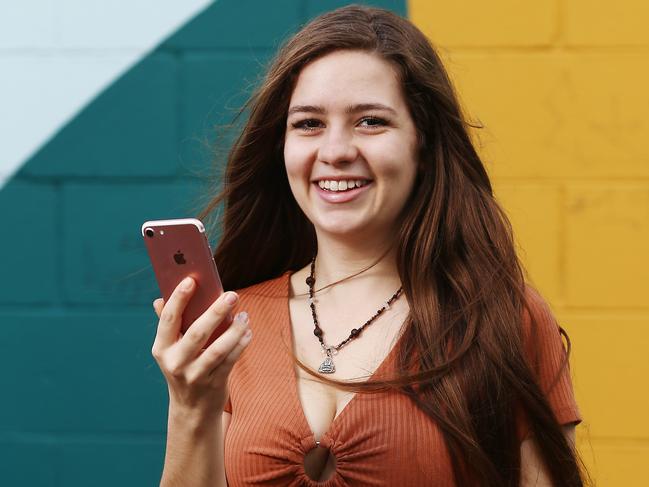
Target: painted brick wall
pixel 55 56
pixel 83 402
pixel 561 89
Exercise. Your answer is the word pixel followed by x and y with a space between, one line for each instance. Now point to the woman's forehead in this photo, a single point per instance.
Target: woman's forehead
pixel 348 78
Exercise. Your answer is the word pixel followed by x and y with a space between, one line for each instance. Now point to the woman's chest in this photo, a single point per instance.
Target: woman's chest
pixel 377 439
pixel 359 359
pixel 278 416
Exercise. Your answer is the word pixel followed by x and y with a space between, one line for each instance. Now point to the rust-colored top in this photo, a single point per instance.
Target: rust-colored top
pixel 377 439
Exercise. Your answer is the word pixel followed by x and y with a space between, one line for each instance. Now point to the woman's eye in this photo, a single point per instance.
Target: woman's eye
pixel 313 124
pixel 309 124
pixel 373 122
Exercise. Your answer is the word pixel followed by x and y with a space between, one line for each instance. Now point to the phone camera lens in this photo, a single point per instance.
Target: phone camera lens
pixel 149 232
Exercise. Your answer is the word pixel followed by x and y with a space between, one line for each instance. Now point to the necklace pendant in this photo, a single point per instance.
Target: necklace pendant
pixel 327 367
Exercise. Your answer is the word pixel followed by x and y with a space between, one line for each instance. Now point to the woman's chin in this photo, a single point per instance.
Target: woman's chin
pixel 344 230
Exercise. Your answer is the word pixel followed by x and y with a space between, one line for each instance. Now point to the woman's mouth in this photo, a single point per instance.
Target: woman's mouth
pixel 341 191
pixel 341 185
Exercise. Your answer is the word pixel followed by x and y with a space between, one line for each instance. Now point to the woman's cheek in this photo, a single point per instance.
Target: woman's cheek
pixel 291 149
pixel 295 172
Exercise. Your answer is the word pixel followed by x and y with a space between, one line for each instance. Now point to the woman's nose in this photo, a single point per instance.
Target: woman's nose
pixel 337 147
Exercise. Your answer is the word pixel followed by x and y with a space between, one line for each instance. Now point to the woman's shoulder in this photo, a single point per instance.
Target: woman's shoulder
pixel 266 303
pixel 537 311
pixel 547 356
pixel 271 290
pixel 542 335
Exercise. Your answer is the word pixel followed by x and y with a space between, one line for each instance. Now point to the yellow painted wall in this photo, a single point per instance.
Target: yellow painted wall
pixel 562 87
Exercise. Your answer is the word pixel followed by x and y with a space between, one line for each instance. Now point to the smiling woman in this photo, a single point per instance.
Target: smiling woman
pixel 396 341
pixel 348 121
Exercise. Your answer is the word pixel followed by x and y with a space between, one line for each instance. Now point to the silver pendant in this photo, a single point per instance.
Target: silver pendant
pixel 327 367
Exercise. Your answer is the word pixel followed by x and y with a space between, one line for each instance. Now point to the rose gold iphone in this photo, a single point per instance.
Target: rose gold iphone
pixel 177 249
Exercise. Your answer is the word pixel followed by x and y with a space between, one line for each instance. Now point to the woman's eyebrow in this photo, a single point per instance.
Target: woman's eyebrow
pixel 360 107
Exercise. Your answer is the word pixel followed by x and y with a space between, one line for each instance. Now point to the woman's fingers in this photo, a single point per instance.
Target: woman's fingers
pixel 171 314
pixel 220 373
pixel 182 358
pixel 158 304
pixel 200 331
pixel 217 360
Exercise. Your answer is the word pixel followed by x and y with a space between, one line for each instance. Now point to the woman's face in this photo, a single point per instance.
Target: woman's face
pixel 350 145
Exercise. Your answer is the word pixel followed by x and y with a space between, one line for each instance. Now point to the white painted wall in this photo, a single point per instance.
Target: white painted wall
pixel 57 55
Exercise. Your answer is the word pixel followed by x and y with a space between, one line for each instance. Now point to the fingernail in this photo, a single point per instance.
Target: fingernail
pixel 187 284
pixel 247 336
pixel 230 298
pixel 242 318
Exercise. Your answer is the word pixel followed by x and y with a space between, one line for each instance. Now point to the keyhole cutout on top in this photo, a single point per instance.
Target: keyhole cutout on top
pixel 319 464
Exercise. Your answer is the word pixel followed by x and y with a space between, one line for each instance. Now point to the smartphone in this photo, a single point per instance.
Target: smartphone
pixel 179 248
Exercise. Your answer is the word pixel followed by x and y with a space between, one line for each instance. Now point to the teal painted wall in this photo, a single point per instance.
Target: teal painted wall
pixel 83 402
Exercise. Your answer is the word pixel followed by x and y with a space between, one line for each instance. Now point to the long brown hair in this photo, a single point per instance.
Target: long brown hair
pixel 456 257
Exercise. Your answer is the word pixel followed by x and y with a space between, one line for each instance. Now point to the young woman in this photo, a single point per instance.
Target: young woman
pixel 396 341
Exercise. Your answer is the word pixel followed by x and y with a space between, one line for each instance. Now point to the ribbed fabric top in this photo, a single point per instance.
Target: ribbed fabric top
pixel 379 439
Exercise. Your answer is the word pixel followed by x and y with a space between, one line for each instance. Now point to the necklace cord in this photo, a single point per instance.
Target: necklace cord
pixel 328 367
pixel 347 277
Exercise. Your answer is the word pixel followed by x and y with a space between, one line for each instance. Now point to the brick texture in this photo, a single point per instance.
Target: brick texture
pixel 316 7
pixel 603 23
pixel 213 88
pixel 607 237
pixel 560 87
pixel 133 462
pixel 242 24
pixel 30 245
pixel 610 372
pixel 18 462
pixel 128 130
pixel 41 29
pixel 81 372
pixel 561 90
pixel 538 231
pixel 498 23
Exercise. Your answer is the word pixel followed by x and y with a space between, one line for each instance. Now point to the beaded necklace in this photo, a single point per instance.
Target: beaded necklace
pixel 328 367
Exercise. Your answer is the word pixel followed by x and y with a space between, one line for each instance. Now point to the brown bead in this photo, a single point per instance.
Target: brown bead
pixel 310 281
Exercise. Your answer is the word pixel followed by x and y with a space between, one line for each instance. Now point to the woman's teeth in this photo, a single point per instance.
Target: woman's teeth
pixel 341 185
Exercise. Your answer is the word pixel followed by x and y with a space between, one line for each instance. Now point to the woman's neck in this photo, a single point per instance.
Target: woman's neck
pixel 338 259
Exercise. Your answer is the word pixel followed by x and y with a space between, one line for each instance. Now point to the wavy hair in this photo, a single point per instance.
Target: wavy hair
pixel 455 253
